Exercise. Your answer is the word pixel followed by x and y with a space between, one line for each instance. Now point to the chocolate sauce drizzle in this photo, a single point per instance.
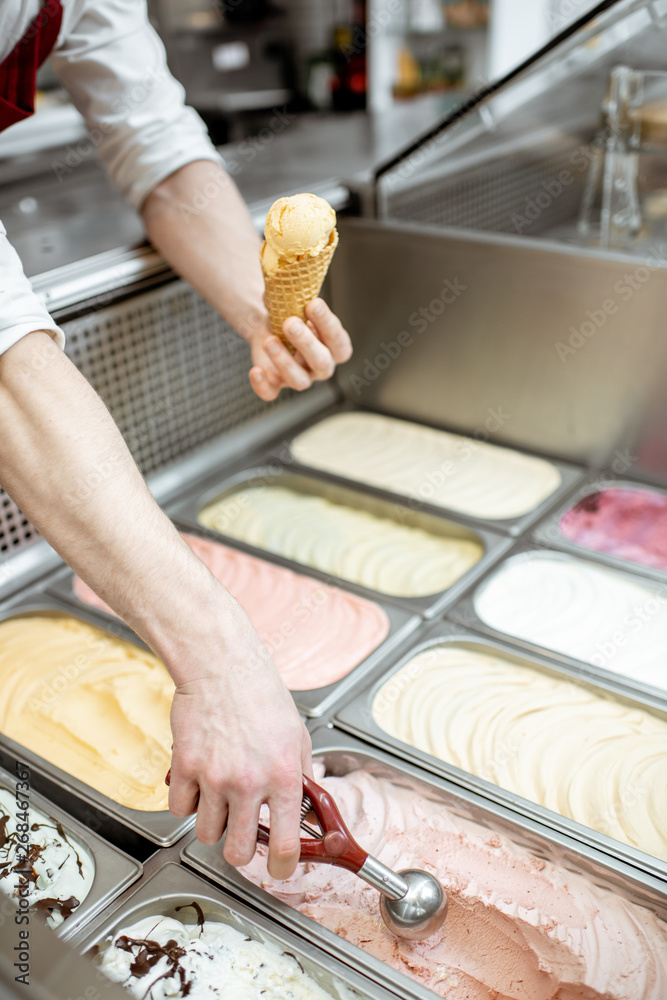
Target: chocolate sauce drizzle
pixel 149 954
pixel 25 865
pixel 198 910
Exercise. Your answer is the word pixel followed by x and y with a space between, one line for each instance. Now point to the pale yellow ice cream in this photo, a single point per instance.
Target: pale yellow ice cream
pixel 428 465
pixel 376 552
pixel 95 706
pixel 585 755
pixel 295 227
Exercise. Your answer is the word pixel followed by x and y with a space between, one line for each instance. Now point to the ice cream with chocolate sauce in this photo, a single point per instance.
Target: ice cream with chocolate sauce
pixel 160 957
pixel 51 868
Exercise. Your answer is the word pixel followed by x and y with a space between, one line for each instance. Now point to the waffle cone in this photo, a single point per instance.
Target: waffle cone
pixel 292 286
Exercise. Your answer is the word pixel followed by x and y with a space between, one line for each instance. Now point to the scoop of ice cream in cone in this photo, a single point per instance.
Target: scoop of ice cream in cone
pixel 300 239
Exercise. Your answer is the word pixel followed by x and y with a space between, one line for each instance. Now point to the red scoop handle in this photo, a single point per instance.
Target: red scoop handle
pixel 337 846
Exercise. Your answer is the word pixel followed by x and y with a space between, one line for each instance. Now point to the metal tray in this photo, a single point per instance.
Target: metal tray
pixel 570 475
pixel 172 886
pixel 159 827
pixel 313 702
pixel 548 531
pixel 342 753
pixel 271 473
pixel 114 870
pixel 356 717
pixel 464 614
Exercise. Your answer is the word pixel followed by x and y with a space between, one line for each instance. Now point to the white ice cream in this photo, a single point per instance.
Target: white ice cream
pixel 59 871
pixel 167 959
pixel 573 607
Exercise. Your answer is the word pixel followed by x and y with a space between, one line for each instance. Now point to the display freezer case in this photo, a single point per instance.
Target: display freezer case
pixel 477 303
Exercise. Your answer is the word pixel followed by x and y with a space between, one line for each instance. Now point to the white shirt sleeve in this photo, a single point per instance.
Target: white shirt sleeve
pixel 21 311
pixel 114 67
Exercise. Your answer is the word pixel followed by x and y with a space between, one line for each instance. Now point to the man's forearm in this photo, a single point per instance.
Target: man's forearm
pixel 65 463
pixel 238 740
pixel 199 222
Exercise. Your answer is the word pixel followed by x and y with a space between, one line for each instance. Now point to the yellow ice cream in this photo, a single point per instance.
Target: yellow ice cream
pixel 95 706
pixel 587 756
pixel 295 227
pixel 354 545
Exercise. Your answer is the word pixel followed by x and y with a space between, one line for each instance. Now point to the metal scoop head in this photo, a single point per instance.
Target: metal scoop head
pixel 420 912
pixel 413 904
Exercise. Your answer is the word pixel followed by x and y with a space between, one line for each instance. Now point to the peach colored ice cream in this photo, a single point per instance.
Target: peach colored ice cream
pixel 299 225
pixel 316 633
pixel 517 927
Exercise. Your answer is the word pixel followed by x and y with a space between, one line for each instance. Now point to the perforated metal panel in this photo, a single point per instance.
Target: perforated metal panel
pixel 514 194
pixel 173 374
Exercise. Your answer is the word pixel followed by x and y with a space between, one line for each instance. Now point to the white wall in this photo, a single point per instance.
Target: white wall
pixel 519 27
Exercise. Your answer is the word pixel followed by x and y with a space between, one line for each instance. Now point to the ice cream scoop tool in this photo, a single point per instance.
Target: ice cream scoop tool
pixel 413 903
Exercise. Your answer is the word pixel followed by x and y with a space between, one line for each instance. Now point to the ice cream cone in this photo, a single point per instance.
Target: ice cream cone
pixel 300 241
pixel 290 286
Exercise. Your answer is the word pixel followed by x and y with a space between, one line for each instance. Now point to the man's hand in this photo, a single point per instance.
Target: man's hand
pixel 321 344
pixel 239 743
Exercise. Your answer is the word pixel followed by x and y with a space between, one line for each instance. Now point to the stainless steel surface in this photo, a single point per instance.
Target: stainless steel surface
pixel 113 869
pixel 569 475
pixel 159 827
pixel 420 912
pixel 279 471
pixel 172 886
pixel 498 361
pixel 464 614
pixel 342 753
pixel 355 716
pixel 59 207
pixel 383 879
pixel 99 277
pixel 313 702
pixel 548 532
pixel 56 971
